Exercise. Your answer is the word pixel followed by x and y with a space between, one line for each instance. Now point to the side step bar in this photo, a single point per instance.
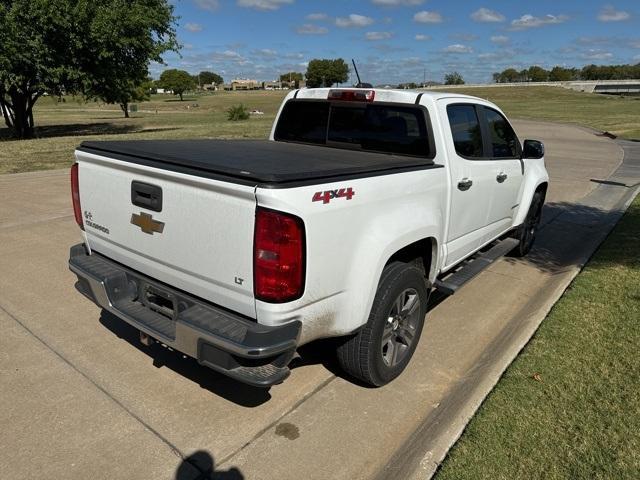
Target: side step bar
pixel 473 266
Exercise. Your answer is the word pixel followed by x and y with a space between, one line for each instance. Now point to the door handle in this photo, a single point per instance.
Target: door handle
pixel 501 177
pixel 464 184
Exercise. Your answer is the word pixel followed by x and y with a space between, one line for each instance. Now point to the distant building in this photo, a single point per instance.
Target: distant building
pixel 242 84
pixel 275 85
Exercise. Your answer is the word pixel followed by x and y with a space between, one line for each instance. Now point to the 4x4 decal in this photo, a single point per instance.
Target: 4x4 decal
pixel 328 195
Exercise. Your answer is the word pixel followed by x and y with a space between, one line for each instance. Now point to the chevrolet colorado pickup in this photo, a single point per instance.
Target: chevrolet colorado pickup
pixel 361 203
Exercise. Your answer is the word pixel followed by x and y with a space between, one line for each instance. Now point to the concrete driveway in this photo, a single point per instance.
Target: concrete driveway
pixel 82 398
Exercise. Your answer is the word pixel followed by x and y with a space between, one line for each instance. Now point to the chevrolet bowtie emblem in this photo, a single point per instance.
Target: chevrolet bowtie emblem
pixel 146 223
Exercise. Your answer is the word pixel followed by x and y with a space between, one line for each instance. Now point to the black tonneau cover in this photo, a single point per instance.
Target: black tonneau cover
pixel 256 162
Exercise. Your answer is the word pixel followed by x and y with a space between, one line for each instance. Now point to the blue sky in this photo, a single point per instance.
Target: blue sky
pixel 402 40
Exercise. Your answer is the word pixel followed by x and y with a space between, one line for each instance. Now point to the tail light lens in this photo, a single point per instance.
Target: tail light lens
pixel 75 195
pixel 279 251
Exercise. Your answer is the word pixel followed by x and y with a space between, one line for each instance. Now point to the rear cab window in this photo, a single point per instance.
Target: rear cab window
pixel 466 131
pixel 377 127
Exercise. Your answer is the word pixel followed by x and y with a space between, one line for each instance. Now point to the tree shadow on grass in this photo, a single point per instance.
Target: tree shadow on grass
pixel 84 129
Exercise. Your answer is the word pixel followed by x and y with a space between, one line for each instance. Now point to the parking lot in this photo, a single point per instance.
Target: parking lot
pixel 83 398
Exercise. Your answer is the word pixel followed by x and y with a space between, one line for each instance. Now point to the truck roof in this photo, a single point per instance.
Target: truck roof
pixel 385 94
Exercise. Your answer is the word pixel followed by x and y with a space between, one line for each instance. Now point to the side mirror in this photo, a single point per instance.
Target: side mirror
pixel 533 149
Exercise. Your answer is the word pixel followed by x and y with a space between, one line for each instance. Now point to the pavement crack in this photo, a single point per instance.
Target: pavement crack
pixel 272 424
pixel 175 450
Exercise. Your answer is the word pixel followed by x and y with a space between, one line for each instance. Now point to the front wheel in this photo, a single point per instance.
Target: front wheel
pixel 381 350
pixel 527 232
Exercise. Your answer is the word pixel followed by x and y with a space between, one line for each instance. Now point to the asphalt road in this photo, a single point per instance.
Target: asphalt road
pixel 82 398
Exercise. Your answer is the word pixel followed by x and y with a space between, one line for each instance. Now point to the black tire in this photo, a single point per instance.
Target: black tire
pixel 526 233
pixel 364 355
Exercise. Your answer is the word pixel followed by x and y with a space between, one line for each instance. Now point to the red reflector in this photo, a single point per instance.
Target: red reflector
pixel 352 95
pixel 278 256
pixel 75 195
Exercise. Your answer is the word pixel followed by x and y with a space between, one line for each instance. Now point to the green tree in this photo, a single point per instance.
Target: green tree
pixel 207 78
pixel 537 74
pixel 560 74
pixel 67 46
pixel 325 72
pixel 178 81
pixel 509 75
pixel 125 93
pixel 453 78
pixel 292 77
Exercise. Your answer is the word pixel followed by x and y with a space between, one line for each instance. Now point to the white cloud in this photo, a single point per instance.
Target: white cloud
pixel 484 15
pixel 422 38
pixel 610 14
pixel 265 52
pixel 458 48
pixel 317 16
pixel 594 54
pixel 310 29
pixel 378 35
pixel 210 5
pixel 193 27
pixel 500 39
pixel 529 21
pixel 427 17
pixel 264 4
pixel 395 3
pixel 353 20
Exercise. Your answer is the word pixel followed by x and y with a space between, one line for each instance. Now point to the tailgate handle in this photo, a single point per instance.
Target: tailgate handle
pixel 146 196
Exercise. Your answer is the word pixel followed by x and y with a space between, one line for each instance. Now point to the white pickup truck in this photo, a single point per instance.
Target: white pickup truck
pixel 362 201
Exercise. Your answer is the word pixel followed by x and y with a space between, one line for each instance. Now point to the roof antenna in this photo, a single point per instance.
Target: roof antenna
pixel 360 84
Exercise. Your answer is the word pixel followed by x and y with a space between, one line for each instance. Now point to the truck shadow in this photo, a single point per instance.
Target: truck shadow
pixel 200 466
pixel 567 233
pixel 216 383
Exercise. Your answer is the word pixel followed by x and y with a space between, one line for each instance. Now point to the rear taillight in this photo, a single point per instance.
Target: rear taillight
pixel 278 252
pixel 75 195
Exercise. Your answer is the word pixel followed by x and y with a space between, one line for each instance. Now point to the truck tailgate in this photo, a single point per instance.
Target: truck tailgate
pixel 201 240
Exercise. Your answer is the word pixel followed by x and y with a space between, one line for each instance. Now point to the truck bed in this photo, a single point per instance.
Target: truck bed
pixel 256 162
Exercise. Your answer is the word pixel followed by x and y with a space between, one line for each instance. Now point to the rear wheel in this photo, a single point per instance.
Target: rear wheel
pixel 527 232
pixel 381 350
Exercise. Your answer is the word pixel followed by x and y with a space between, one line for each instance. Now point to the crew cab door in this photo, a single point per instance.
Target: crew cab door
pixel 471 180
pixel 504 151
pixel 485 176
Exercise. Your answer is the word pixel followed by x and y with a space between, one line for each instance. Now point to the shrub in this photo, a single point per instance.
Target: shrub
pixel 237 112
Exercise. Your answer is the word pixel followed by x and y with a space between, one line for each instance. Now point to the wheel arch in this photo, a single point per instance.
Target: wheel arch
pixel 533 185
pixel 423 253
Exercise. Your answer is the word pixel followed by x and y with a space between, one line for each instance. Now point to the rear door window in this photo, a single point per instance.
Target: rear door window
pixel 466 131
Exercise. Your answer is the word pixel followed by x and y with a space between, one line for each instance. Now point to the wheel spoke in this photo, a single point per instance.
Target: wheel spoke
pixel 386 334
pixel 391 349
pixel 406 335
pixel 397 308
pixel 397 348
pixel 410 306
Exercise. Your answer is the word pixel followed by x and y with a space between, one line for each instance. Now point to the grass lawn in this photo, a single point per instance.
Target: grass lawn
pixel 569 405
pixel 62 126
